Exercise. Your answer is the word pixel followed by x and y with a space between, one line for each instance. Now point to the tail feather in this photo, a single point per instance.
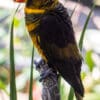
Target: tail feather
pixel 79 89
pixel 78 96
pixel 69 72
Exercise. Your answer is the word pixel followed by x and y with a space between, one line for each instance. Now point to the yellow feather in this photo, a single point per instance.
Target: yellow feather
pixel 31 26
pixel 36 44
pixel 34 11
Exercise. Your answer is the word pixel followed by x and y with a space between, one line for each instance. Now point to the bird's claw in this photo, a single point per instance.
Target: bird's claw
pixel 46 73
pixel 44 69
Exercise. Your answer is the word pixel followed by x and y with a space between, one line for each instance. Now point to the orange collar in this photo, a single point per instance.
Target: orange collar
pixel 34 11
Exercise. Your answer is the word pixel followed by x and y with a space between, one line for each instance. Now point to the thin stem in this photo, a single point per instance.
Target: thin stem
pixel 31 77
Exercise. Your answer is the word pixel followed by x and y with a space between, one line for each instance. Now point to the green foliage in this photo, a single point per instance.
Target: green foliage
pixel 89 61
pixel 83 75
pixel 71 94
pixel 92 96
pixel 16 22
pixel 62 91
pixel 13 95
pixel 31 77
pixel 84 29
pixel 2 85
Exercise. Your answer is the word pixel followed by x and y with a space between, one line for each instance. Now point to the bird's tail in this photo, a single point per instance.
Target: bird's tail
pixel 78 96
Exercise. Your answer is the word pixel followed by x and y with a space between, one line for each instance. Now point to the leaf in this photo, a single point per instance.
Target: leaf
pixel 16 22
pixel 89 61
pixel 31 77
pixel 84 29
pixel 62 92
pixel 13 95
pixel 73 11
pixel 71 94
pixel 78 1
pixel 83 75
pixel 2 85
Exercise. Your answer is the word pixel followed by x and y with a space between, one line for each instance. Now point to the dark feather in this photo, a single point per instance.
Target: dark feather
pixel 56 39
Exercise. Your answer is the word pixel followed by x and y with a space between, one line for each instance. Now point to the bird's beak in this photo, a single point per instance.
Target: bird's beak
pixel 19 1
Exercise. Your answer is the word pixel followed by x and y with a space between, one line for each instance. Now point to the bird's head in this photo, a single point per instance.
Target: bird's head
pixel 45 4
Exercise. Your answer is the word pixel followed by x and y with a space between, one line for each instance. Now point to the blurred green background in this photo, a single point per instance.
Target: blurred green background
pixel 23 51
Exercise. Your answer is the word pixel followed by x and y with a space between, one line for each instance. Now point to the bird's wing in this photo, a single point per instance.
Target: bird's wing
pixel 56 39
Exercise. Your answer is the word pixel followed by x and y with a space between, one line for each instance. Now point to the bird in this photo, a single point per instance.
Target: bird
pixel 51 31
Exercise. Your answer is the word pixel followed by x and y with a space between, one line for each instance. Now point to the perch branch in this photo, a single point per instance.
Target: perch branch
pixel 49 81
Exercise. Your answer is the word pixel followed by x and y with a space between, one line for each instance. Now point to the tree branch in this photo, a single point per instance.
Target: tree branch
pixel 49 80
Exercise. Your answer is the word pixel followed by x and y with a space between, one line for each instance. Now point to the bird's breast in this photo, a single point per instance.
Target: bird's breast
pixel 32 21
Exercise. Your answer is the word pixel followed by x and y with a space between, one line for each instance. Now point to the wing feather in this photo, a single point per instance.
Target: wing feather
pixel 57 41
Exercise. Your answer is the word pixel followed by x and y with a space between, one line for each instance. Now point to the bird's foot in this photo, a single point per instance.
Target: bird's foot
pixel 39 63
pixel 44 69
pixel 47 73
